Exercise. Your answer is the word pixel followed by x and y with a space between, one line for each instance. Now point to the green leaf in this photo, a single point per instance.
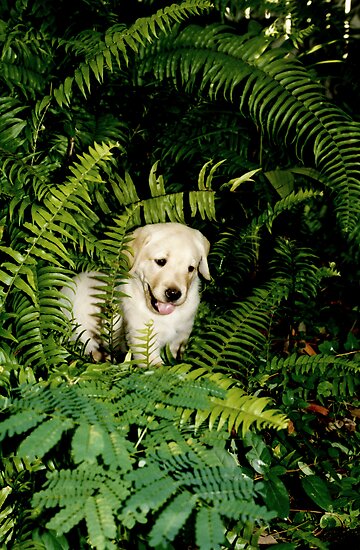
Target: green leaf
pixel 88 442
pixel 172 519
pixel 259 455
pixel 209 529
pixel 276 495
pixel 44 437
pixel 236 182
pixel 20 422
pixel 100 521
pixel 282 181
pixel 317 489
pixel 116 451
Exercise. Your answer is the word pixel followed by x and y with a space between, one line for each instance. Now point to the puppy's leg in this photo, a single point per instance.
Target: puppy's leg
pixel 81 307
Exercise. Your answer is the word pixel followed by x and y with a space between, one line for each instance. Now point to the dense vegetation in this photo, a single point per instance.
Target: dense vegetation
pixel 244 124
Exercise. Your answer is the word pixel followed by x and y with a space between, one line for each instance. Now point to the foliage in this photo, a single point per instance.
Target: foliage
pixel 115 475
pixel 232 120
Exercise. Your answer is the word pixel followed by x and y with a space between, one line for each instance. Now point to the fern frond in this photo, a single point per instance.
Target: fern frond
pixel 320 363
pixel 221 486
pixel 20 173
pixel 8 359
pixel 341 372
pixel 63 206
pixel 217 401
pixel 236 251
pixel 20 423
pixel 205 481
pixel 37 323
pixel 298 265
pixel 96 418
pixel 163 206
pixel 169 523
pixel 204 130
pixel 267 218
pixel 234 340
pixel 11 125
pixel 118 43
pixel 84 493
pixel 25 58
pixel 241 410
pixel 44 437
pixel 100 521
pixel 209 529
pixel 170 206
pixel 68 517
pixel 276 91
pixel 233 408
pixel 64 402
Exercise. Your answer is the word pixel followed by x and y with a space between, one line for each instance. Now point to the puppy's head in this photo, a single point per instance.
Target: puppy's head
pixel 166 258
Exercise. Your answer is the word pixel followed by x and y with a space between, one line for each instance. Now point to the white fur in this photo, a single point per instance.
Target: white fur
pixel 149 289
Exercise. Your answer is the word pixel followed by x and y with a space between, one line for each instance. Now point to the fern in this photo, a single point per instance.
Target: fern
pixel 319 363
pixel 162 205
pixel 21 174
pixel 11 124
pixel 46 230
pixel 172 519
pixel 48 433
pixel 298 265
pixel 339 372
pixel 233 255
pixel 86 494
pixel 36 324
pixel 275 91
pixel 97 421
pixel 209 529
pixel 199 390
pixel 237 251
pixel 26 58
pixel 267 218
pixel 119 42
pixel 234 340
pixel 197 130
pixel 239 409
pixel 233 409
pixel 108 455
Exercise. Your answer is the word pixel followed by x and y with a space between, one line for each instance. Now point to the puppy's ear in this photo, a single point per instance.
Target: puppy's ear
pixel 138 239
pixel 203 265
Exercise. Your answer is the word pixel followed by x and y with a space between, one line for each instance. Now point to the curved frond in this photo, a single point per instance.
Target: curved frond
pixel 298 266
pixel 240 411
pixel 11 124
pixel 163 206
pixel 62 207
pixel 119 43
pixel 37 324
pixel 341 372
pixel 233 340
pixel 25 59
pixel 276 91
pixel 267 218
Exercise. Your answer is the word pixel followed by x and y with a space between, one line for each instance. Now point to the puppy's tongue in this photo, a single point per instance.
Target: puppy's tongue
pixel 164 308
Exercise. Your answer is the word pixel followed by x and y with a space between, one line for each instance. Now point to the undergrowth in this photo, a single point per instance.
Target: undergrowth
pixel 186 112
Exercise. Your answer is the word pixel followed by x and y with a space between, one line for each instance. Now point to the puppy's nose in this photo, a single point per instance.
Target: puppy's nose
pixel 172 294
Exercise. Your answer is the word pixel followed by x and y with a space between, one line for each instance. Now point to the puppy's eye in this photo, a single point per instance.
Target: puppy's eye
pixel 191 268
pixel 161 262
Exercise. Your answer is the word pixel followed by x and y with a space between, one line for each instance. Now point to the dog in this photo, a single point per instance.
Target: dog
pixel 162 290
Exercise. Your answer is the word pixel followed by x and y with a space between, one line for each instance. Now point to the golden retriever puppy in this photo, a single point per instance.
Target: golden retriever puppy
pixel 162 290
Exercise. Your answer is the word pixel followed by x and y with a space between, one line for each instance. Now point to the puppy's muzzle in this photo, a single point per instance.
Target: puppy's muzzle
pixel 171 295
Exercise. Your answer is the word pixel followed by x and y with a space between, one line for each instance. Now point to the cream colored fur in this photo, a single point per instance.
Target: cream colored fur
pixel 162 289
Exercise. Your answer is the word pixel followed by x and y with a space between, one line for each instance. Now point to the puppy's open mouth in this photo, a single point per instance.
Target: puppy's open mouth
pixel 163 308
